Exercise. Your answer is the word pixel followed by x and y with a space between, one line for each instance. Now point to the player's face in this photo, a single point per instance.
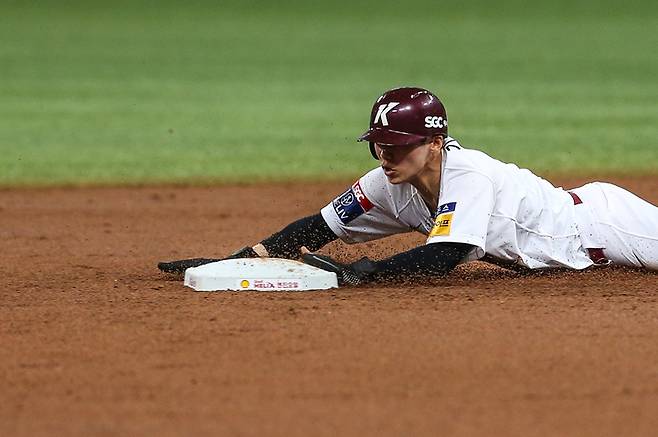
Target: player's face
pixel 403 163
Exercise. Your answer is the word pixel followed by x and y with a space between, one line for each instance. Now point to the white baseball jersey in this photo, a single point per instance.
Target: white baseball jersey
pixel 504 211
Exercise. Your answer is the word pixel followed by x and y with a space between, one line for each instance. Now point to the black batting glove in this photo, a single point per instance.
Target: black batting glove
pixel 179 266
pixel 357 273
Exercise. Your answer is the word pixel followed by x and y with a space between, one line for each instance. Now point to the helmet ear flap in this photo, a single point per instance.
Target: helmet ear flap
pixel 372 151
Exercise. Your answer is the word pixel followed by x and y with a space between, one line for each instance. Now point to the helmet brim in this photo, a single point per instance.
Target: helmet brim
pixel 390 137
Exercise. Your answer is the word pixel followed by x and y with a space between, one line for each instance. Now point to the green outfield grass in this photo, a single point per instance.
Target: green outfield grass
pixel 148 92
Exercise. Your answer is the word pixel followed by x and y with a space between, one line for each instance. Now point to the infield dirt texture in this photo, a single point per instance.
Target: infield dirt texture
pixel 95 341
pixel 133 132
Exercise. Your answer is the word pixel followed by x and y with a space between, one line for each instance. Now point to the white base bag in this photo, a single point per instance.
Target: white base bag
pixel 262 274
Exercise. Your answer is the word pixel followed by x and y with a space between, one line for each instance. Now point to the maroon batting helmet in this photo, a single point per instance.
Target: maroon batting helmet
pixel 405 116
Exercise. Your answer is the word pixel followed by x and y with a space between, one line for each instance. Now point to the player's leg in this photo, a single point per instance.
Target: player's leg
pixel 627 223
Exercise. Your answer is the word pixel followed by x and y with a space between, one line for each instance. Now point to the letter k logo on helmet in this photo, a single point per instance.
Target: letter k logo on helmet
pixel 383 111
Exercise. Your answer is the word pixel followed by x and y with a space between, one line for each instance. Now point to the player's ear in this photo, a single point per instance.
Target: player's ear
pixel 437 144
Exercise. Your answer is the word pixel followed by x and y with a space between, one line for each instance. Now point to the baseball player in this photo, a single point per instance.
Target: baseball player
pixel 468 204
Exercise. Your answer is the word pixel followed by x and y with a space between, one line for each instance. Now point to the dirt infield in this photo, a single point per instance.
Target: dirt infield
pixel 95 341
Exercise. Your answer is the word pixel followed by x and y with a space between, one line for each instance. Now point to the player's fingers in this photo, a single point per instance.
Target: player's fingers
pixel 181 265
pixel 304 250
pixel 323 262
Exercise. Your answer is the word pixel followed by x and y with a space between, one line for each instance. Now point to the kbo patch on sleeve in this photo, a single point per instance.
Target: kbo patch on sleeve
pixel 351 204
pixel 443 220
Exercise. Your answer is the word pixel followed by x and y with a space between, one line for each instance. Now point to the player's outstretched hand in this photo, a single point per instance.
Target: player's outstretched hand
pixel 179 266
pixel 357 273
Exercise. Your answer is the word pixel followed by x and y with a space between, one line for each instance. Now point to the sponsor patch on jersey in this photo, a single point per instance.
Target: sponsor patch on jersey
pixel 446 208
pixel 442 225
pixel 443 221
pixel 351 204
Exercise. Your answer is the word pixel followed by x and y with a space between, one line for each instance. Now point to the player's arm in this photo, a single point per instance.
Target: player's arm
pixel 359 214
pixel 311 232
pixel 461 225
pixel 431 260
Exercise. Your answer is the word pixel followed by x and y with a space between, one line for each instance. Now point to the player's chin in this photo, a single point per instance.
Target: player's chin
pixel 395 179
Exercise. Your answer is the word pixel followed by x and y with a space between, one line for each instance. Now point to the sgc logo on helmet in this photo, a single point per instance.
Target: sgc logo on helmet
pixel 434 121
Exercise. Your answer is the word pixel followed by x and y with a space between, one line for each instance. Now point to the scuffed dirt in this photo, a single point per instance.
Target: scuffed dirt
pixel 95 341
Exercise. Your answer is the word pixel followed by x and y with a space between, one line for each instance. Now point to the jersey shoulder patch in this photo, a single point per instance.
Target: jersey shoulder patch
pixel 352 203
pixel 446 208
pixel 443 221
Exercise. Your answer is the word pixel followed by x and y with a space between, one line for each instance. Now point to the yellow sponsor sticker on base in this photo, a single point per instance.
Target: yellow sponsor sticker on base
pixel 442 225
pixel 244 283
